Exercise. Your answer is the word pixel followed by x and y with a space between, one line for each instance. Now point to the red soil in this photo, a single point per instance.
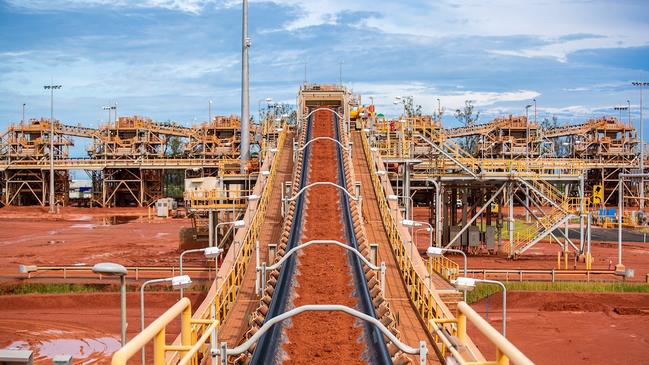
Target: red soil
pixel 571 328
pixel 86 326
pixel 29 235
pixel 323 273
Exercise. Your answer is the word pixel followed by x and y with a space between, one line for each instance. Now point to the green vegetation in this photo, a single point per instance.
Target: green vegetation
pixel 28 288
pixel 482 291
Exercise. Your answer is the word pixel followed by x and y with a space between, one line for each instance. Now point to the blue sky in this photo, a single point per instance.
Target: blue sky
pixel 166 58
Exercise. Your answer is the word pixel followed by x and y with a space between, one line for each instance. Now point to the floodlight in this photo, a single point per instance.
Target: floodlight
pixel 434 251
pixel 181 282
pixel 464 283
pixel 212 252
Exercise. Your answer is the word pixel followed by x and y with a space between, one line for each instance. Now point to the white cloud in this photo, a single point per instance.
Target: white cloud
pixel 187 6
pixel 553 22
pixel 426 96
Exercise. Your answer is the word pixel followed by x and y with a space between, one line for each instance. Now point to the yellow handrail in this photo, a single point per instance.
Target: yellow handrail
pixel 424 301
pixel 226 295
pixel 156 331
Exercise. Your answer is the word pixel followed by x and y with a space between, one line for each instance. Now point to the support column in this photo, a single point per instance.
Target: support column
pixel 511 219
pixel 406 189
pixel 245 99
pixel 582 212
pixel 210 227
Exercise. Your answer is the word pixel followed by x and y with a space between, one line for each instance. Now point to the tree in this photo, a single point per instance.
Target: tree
pixel 560 149
pixel 174 147
pixel 411 109
pixel 278 110
pixel 468 117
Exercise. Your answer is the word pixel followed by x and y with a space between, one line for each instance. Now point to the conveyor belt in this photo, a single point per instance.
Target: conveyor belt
pixel 265 351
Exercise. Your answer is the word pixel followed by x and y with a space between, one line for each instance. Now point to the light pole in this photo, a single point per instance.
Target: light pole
pixel 628 106
pixel 439 252
pixel 527 156
pixel 245 97
pixel 235 224
pixel 411 223
pixel 107 108
pixel 23 118
pixel 52 87
pixel 527 132
pixel 109 268
pixel 620 109
pixel 465 283
pixel 209 112
pixel 209 252
pixel 641 84
pixel 409 212
pixel 177 282
pixel 340 72
pixel 268 101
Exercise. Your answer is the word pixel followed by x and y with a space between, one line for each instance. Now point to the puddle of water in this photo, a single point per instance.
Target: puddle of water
pixel 83 225
pixel 119 219
pixel 18 345
pixel 79 349
pixel 81 218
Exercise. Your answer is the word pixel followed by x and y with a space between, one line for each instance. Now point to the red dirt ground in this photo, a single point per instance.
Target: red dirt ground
pixel 544 255
pixel 571 328
pixel 29 235
pixel 86 326
pixel 323 271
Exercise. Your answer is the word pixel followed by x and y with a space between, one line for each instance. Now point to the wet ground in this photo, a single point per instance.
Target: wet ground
pixel 86 326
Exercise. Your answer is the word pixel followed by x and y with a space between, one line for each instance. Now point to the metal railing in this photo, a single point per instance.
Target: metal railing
pixel 220 304
pixel 419 294
pixel 538 274
pixel 505 350
pixel 134 270
pixel 156 332
pixel 217 198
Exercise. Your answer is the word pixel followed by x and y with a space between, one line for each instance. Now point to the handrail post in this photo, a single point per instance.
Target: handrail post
pixel 185 326
pixel 159 348
pixel 501 358
pixel 263 278
pixel 461 327
pixel 423 352
pixel 383 278
pixel 223 353
pixel 257 276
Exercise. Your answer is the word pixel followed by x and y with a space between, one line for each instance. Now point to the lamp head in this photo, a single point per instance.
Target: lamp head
pixel 434 251
pixel 109 268
pixel 463 283
pixel 212 252
pixel 410 223
pixel 239 223
pixel 181 282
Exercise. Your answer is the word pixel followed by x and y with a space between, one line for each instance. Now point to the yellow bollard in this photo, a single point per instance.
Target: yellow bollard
pixel 159 348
